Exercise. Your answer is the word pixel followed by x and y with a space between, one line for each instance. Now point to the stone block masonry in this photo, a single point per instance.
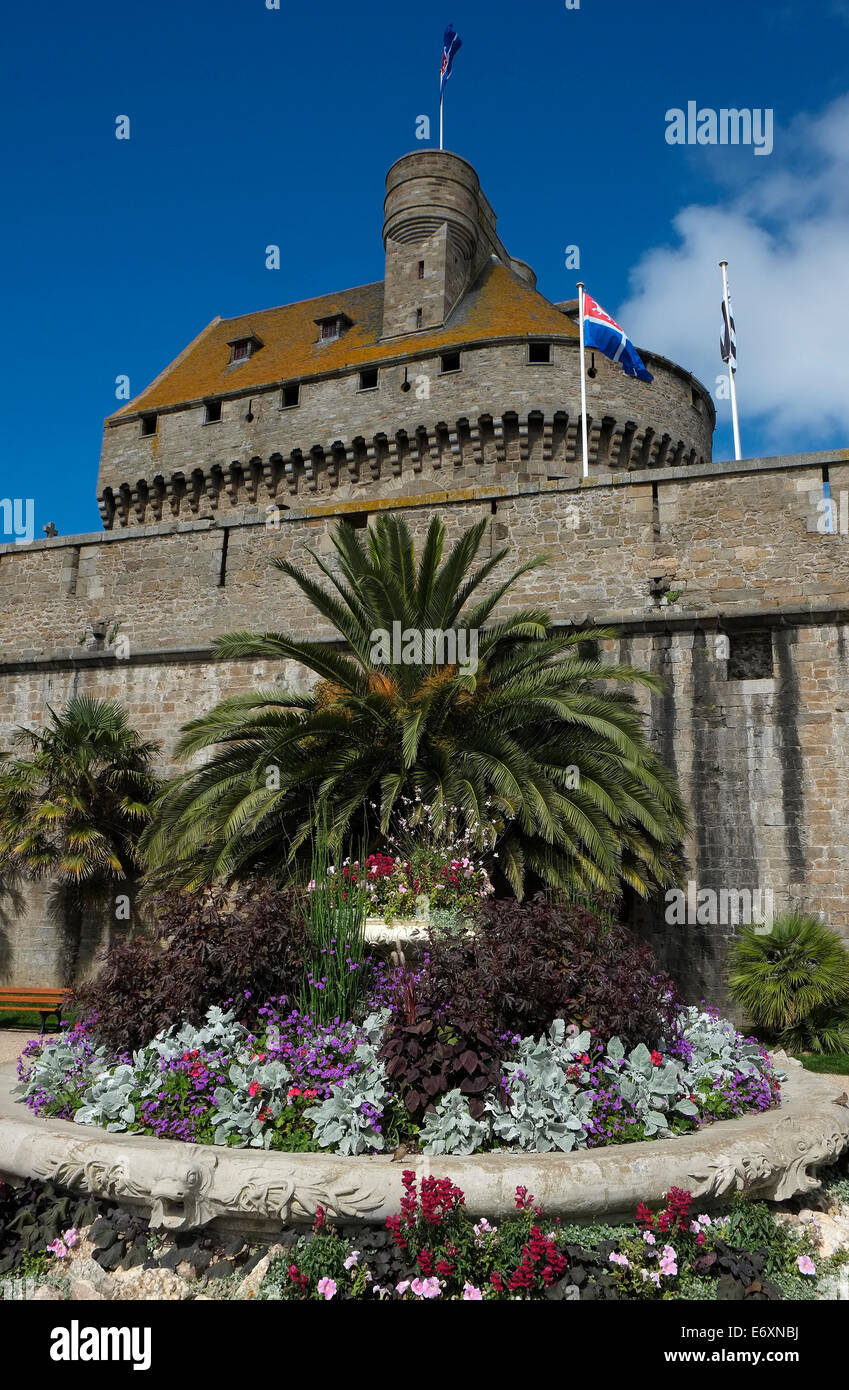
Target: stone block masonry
pixel 713 576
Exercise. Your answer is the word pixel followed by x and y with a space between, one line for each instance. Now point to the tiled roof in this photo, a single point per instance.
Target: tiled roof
pixel 498 305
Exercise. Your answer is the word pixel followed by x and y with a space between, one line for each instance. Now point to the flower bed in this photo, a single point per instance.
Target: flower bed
pixel 294 1085
pixel 438 1251
pixel 432 1248
pixel 405 887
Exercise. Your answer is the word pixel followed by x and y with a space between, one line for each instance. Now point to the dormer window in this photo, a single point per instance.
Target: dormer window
pixel 243 348
pixel 332 326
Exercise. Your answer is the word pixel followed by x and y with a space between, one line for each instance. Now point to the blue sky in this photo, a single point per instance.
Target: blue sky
pixel 251 126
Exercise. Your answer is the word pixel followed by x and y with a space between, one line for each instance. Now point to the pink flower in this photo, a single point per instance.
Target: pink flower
pixel 426 1288
pixel 402 1288
pixel 805 1265
pixel 327 1288
pixel 58 1248
pixel 254 1089
pixel 352 1259
pixel 657 1059
pixel 649 1238
pixel 71 1237
pixel 471 1294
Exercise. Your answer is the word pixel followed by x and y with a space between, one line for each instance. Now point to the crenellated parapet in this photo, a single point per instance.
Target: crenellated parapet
pixel 400 463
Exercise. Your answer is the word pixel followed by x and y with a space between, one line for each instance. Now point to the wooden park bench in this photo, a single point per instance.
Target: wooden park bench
pixel 40 1001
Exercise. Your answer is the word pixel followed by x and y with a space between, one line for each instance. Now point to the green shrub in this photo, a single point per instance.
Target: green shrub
pixel 794 983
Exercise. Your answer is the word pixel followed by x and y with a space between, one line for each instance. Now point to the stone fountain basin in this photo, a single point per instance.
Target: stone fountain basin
pixel 183 1186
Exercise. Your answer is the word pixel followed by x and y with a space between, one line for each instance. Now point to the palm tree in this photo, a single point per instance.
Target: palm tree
pixel 72 810
pixel 538 742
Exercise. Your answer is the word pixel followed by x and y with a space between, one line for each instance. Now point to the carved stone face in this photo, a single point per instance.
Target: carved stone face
pixel 178 1198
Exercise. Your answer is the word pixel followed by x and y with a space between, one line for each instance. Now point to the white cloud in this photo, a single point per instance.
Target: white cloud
pixel 785 235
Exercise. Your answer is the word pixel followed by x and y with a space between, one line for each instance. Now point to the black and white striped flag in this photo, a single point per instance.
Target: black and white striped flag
pixel 728 341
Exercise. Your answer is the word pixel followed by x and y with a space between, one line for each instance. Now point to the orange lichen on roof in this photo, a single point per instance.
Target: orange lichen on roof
pixel 498 305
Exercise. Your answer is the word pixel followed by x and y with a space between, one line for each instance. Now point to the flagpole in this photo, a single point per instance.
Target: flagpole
pixel 738 453
pixel 580 288
pixel 441 98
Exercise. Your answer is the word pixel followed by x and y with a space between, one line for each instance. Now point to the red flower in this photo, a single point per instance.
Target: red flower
pixel 657 1058
pixel 254 1089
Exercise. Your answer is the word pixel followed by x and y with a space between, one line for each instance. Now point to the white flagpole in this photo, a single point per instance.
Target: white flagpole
pixel 441 96
pixel 580 288
pixel 738 453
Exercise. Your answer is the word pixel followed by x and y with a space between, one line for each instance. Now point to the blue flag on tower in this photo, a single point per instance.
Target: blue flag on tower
pixel 450 48
pixel 604 333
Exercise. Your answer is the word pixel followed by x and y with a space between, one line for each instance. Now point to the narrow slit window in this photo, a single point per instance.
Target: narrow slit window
pixel 291 396
pixel 148 424
pixel 212 412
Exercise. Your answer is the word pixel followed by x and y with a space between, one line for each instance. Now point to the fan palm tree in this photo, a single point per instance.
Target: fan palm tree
pixel 72 810
pixel 540 742
pixel 793 982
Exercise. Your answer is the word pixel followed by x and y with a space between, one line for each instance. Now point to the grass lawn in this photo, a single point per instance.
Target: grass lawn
pixel 28 1020
pixel 836 1063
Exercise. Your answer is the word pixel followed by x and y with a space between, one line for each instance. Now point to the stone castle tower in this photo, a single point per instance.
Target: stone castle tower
pixel 454 386
pixel 454 368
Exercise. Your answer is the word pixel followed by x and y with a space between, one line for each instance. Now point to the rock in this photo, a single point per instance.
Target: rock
pixel 87 1270
pixel 249 1286
pixel 830 1232
pixel 186 1271
pixel 149 1286
pixel 47 1293
pixel 84 1292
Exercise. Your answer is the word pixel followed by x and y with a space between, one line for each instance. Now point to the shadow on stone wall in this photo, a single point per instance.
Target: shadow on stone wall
pixel 12 906
pixel 87 923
